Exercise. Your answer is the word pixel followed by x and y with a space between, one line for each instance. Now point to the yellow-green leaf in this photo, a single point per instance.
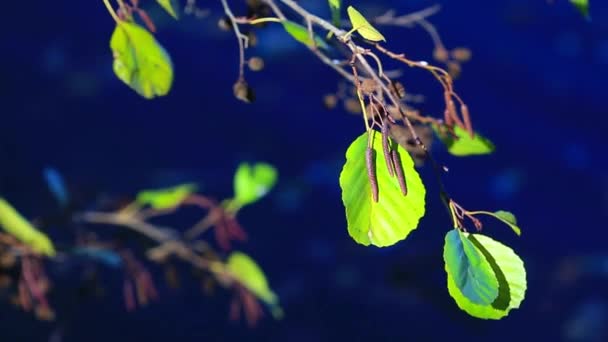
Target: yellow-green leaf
pixel 394 216
pixel 247 272
pixel 510 273
pixel 509 219
pixel 166 198
pixel 504 216
pixel 334 6
pixel 470 270
pixel 361 25
pixel 582 6
pixel 462 144
pixel 171 6
pixel 140 61
pixel 302 35
pixel 16 225
pixel 252 182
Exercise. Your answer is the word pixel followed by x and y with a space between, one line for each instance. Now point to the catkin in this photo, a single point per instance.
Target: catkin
pixel 399 171
pixel 370 160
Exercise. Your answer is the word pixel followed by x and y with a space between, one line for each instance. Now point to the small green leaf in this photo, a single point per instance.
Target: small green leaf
pixel 16 225
pixel 140 61
pixel 361 25
pixel 251 183
pixel 334 6
pixel 470 270
pixel 247 272
pixel 166 198
pixel 171 6
pixel 510 272
pixel 462 144
pixel 509 219
pixel 394 216
pixel 582 6
pixel 301 34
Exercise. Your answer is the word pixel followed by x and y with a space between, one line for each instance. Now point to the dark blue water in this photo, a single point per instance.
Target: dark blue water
pixel 536 86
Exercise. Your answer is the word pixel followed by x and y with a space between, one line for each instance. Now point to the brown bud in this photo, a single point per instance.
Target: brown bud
pixel 255 63
pixel 224 24
pixel 441 54
pixel 398 89
pixel 352 106
pixel 5 281
pixel 330 101
pixel 44 313
pixel 461 54
pixel 454 69
pixel 369 86
pixel 253 38
pixel 243 91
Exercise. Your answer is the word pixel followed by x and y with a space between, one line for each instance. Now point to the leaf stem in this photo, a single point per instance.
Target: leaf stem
pixel 265 20
pixel 111 10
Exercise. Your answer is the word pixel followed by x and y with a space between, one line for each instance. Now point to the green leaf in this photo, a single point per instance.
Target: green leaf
pixel 394 216
pixel 361 25
pixel 334 6
pixel 247 272
pixel 582 6
pixel 171 6
pixel 140 61
pixel 301 34
pixel 16 225
pixel 510 273
pixel 509 219
pixel 470 270
pixel 463 144
pixel 252 182
pixel 166 198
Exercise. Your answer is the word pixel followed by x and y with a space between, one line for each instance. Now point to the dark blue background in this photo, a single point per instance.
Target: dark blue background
pixel 536 86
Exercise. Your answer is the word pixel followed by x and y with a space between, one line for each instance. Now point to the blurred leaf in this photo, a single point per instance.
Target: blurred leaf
pixel 301 34
pixel 247 272
pixel 361 25
pixel 140 61
pixel 582 6
pixel 166 198
pixel 334 6
pixel 510 273
pixel 252 182
pixel 16 225
pixel 463 144
pixel 470 270
pixel 394 216
pixel 171 6
pixel 105 256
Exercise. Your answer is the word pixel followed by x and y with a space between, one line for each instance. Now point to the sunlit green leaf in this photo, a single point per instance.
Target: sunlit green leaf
pixel 252 182
pixel 470 270
pixel 509 219
pixel 301 34
pixel 334 6
pixel 166 198
pixel 510 273
pixel 582 6
pixel 247 272
pixel 171 6
pixel 16 225
pixel 394 216
pixel 462 144
pixel 504 216
pixel 361 25
pixel 140 61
